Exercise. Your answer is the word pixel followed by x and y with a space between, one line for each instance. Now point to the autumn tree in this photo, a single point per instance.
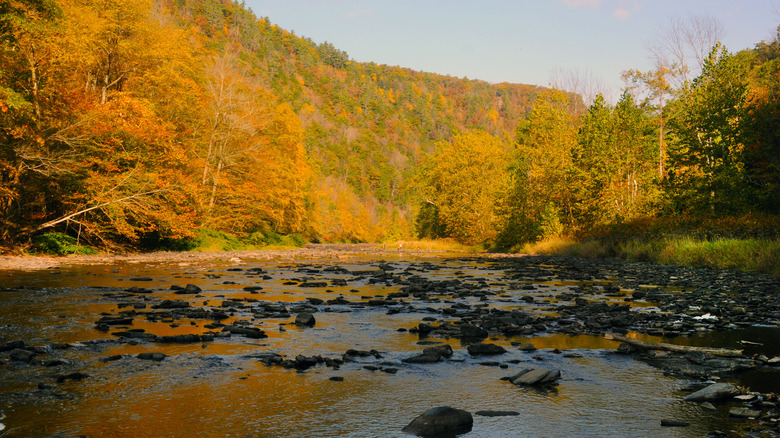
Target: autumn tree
pixel 464 181
pixel 254 172
pixel 545 143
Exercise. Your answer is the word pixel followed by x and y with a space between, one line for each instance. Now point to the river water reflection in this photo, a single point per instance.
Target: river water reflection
pixel 220 388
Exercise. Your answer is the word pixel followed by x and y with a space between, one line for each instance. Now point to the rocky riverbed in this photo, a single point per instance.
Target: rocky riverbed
pixel 354 341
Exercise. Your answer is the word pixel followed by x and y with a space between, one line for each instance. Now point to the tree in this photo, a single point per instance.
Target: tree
pixel 707 172
pixel 546 142
pixel 464 180
pixel 614 158
pixel 655 86
pixel 254 168
pixel 761 136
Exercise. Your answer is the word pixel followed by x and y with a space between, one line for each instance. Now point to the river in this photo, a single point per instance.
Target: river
pixel 221 387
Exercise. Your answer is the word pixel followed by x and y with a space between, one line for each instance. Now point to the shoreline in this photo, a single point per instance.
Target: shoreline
pixel 309 251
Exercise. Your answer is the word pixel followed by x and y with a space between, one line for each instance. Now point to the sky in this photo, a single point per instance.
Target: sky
pixel 518 41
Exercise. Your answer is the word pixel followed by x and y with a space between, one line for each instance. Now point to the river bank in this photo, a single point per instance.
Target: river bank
pixel 307 252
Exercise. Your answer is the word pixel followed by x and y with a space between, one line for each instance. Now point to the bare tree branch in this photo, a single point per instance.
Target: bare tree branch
pixel 54 222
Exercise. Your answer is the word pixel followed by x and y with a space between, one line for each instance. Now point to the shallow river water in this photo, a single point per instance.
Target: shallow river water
pixel 220 388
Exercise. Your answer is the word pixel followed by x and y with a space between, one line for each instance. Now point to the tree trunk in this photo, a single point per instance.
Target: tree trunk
pixel 723 352
pixel 214 183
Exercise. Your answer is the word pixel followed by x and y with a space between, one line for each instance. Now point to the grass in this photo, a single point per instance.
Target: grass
pixel 749 254
pixel 432 245
pixel 59 244
pixel 207 240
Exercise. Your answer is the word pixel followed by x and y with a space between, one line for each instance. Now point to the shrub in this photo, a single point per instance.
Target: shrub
pixel 60 244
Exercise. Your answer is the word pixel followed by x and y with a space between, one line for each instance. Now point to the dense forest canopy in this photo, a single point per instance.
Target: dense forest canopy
pixel 138 122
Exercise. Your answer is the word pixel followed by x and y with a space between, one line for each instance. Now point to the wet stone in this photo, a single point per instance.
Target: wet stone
pixel 422 358
pixel 497 413
pixel 536 377
pixel 441 421
pixel 713 393
pixel 19 355
pixel 485 349
pixel 442 350
pixel 743 412
pixel 73 376
pixel 305 319
pixel 674 423
pixel 156 356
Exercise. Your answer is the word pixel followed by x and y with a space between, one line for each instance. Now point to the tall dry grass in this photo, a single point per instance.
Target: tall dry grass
pixel 750 254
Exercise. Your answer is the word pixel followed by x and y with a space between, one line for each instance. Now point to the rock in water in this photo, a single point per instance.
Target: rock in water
pixel 536 377
pixel 305 319
pixel 497 413
pixel 441 421
pixel 157 357
pixel 443 350
pixel 674 423
pixel 426 357
pixel 714 392
pixel 742 412
pixel 485 349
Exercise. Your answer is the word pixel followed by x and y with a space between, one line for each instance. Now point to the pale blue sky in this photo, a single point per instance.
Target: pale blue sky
pixel 521 41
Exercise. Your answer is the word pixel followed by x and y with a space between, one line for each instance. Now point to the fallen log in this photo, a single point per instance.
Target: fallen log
pixel 722 352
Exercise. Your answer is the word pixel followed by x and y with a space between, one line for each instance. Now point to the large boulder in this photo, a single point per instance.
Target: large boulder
pixel 440 422
pixel 536 377
pixel 713 393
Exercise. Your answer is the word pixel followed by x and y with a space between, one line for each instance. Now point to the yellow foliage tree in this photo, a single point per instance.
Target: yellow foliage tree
pixel 464 180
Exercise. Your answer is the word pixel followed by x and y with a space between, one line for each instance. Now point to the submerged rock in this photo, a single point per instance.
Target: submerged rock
pixel 441 421
pixel 184 339
pixel 72 376
pixel 674 423
pixel 497 413
pixel 19 355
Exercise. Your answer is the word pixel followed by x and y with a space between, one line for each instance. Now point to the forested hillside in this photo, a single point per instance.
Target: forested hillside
pixel 148 123
pixel 141 121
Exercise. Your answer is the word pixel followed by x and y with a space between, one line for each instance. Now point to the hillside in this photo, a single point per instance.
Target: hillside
pixel 141 121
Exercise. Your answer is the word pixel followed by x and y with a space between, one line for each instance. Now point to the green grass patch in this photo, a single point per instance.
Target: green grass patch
pixel 724 253
pixel 207 240
pixel 60 244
